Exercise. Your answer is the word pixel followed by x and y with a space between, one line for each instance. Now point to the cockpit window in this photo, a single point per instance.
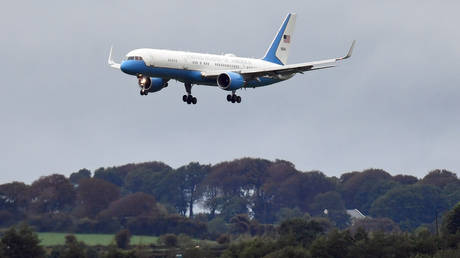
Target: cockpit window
pixel 135 58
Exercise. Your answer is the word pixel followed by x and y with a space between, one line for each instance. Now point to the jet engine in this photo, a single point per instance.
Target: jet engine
pixel 230 81
pixel 152 84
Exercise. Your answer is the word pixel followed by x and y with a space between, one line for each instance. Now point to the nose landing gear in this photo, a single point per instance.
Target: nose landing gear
pixel 144 92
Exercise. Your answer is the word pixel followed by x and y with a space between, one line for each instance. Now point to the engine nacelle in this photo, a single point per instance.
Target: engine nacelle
pixel 152 84
pixel 230 81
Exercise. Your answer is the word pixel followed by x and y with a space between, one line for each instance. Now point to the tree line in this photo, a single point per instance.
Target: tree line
pixel 243 196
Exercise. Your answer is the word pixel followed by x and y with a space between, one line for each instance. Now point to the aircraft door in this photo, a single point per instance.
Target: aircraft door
pixel 185 60
pixel 148 59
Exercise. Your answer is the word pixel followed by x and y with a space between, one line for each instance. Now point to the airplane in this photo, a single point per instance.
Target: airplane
pixel 155 67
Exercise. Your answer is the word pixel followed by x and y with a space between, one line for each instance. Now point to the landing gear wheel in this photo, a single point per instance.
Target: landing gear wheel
pixel 229 97
pixel 189 98
pixel 238 99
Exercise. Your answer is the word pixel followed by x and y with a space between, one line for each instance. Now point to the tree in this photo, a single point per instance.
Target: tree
pixel 189 179
pixel 270 199
pixel 117 175
pixel 132 205
pixel 451 192
pixel 14 201
pixel 297 190
pixel 73 248
pixel 375 225
pixel 146 178
pixel 410 205
pixel 362 189
pixel 77 176
pixel 405 179
pixel 94 195
pixel 21 243
pixel 51 194
pixel 287 214
pixel 329 200
pixel 439 178
pixel 236 182
pixel 122 238
pixel 300 231
pixel 233 206
pixel 334 244
pixel 240 224
pixel 451 221
pixel 217 226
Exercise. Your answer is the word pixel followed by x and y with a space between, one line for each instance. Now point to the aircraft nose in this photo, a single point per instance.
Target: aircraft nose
pixel 125 67
pixel 132 67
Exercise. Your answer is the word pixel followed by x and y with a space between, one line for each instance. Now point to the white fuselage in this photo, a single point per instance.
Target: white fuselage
pixel 197 61
pixel 188 67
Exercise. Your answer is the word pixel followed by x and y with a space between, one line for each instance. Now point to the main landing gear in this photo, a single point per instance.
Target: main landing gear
pixel 189 98
pixel 233 98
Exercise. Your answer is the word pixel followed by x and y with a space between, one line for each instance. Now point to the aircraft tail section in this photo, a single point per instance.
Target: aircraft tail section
pixel 279 49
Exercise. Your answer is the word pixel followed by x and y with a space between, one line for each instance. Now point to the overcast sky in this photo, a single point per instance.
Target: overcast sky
pixel 394 105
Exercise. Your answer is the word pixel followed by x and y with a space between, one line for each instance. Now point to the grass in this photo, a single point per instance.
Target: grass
pixel 50 239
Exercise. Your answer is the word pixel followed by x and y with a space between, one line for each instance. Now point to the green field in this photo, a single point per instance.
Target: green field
pixel 50 239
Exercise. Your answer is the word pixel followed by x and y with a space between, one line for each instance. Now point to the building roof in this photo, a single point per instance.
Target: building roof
pixel 355 214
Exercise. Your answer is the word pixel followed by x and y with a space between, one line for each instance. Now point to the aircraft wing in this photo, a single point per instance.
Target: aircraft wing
pixel 280 70
pixel 111 62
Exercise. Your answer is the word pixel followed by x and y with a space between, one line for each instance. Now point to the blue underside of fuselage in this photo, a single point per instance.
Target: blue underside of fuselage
pixel 135 67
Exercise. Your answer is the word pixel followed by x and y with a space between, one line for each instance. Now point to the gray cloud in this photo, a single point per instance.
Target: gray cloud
pixel 394 105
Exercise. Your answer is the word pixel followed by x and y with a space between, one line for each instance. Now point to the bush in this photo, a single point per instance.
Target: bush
pixel 52 222
pixel 198 253
pixel 169 240
pixel 185 240
pixel 148 225
pixel 252 248
pixel 73 248
pixel 217 226
pixel 122 238
pixel 223 239
pixel 291 252
pixel 21 243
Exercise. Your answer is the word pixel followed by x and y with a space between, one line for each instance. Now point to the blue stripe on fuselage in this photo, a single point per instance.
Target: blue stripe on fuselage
pixel 135 67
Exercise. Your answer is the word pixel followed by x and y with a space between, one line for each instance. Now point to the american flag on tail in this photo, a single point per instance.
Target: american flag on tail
pixel 286 38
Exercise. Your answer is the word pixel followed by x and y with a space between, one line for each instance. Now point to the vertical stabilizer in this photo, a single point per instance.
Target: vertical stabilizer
pixel 279 49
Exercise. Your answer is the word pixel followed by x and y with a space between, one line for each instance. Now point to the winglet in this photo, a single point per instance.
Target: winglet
pixel 350 52
pixel 110 60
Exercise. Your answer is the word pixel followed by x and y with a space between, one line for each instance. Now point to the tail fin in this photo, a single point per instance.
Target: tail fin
pixel 279 49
